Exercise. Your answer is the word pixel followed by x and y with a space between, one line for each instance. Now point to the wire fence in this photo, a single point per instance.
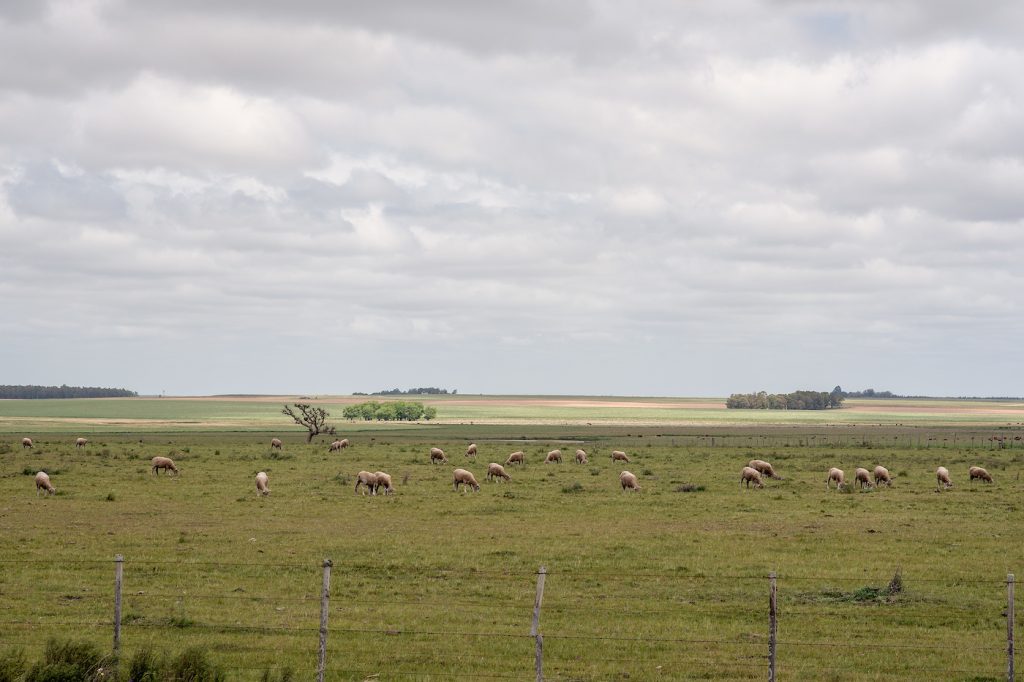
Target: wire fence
pixel 356 621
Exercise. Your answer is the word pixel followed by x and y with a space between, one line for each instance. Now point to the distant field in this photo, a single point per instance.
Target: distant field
pixel 263 413
pixel 666 584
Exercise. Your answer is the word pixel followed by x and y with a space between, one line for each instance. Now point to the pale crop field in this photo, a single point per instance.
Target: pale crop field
pixel 667 583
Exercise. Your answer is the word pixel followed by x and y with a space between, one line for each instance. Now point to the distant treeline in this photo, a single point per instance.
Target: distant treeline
pixel 428 390
pixel 393 411
pixel 798 400
pixel 63 391
pixel 872 393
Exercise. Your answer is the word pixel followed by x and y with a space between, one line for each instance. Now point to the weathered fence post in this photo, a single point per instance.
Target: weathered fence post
pixel 1009 628
pixel 773 625
pixel 325 595
pixel 538 655
pixel 118 575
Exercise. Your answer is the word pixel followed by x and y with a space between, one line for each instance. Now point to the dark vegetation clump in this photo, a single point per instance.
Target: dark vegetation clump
pixel 689 488
pixel 12 665
pixel 69 661
pixel 574 488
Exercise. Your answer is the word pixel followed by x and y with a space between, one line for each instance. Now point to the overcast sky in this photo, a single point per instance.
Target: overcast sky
pixel 586 197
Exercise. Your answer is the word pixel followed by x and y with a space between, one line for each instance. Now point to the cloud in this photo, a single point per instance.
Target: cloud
pixel 674 197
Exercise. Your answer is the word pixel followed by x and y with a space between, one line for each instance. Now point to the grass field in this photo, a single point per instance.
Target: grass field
pixel 669 583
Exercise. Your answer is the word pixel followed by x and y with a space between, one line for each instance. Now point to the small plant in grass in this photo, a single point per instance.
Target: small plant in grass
pixel 595 472
pixel 12 665
pixel 69 661
pixel 110 497
pixel 193 665
pixel 145 666
pixel 574 488
pixel 689 488
pixel 283 675
pixel 647 472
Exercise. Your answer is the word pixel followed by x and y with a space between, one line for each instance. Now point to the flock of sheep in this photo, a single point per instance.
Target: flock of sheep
pixel 757 468
pixel 753 474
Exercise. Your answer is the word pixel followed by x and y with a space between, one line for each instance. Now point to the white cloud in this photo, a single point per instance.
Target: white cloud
pixel 674 197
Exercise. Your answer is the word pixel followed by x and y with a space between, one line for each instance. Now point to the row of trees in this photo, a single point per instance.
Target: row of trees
pixel 798 400
pixel 426 390
pixel 62 391
pixel 391 411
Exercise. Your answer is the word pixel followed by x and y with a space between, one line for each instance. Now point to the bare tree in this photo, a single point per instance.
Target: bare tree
pixel 314 419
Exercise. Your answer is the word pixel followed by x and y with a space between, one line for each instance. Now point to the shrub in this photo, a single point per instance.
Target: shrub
pixel 145 666
pixel 574 488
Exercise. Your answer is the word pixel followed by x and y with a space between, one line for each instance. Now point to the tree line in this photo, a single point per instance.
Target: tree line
pixel 798 400
pixel 391 411
pixel 426 390
pixel 63 391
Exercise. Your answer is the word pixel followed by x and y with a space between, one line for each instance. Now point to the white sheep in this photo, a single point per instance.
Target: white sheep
pixel 629 481
pixel 81 442
pixel 262 483
pixel 367 479
pixel 942 478
pixel 882 476
pixel 581 457
pixel 384 481
pixel 978 472
pixel 496 471
pixel 764 468
pixel 463 477
pixel 165 463
pixel 43 483
pixel 862 477
pixel 275 443
pixel 751 475
pixel 471 450
pixel 553 456
pixel 339 445
pixel 836 475
pixel 26 442
pixel 516 458
pixel 619 456
pixel 437 455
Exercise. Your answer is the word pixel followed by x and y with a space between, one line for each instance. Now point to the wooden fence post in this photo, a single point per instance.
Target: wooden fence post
pixel 538 655
pixel 325 595
pixel 1009 628
pixel 773 625
pixel 118 575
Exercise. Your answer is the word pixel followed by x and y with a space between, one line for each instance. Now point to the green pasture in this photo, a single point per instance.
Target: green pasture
pixel 147 415
pixel 667 583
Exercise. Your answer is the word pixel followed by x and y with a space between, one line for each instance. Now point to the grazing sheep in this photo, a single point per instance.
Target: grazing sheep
pixel 882 476
pixel 365 478
pixel 463 477
pixel 553 456
pixel 836 475
pixel 437 455
pixel 751 475
pixel 496 471
pixel 275 443
pixel 81 442
pixel 471 450
pixel 43 483
pixel 26 442
pixel 581 457
pixel 862 477
pixel 384 481
pixel 165 463
pixel 978 472
pixel 516 458
pixel 628 481
pixel 262 483
pixel 619 456
pixel 764 468
pixel 942 478
pixel 339 445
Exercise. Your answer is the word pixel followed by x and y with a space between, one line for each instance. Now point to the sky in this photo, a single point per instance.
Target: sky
pixel 574 197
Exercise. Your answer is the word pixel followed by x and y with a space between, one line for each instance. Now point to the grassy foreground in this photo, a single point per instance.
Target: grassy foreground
pixel 669 583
